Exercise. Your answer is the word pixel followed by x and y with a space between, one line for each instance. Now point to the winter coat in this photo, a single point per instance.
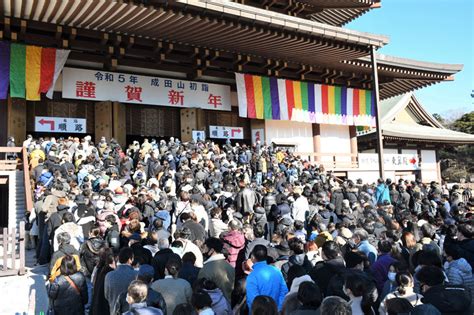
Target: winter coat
pixel 382 193
pixel 63 250
pixel 159 262
pixel 380 268
pixel 301 260
pixel 85 217
pixel 90 254
pixel 459 272
pixel 245 200
pixel 217 227
pixel 55 220
pixel 174 290
pixel 220 305
pixel 65 298
pixel 234 243
pixel 336 199
pixel 143 309
pixel 74 231
pixel 260 218
pixel 466 250
pixel 217 269
pixel 300 209
pixel 322 272
pixel 250 246
pixel 153 299
pixel 116 282
pixel 449 299
pixel 266 280
pixel 99 304
pixel 197 230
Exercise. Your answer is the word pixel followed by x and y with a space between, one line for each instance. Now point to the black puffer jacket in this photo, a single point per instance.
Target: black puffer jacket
pixel 90 254
pixel 65 298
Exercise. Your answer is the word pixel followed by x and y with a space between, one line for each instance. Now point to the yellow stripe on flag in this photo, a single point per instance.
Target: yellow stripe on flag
pixel 362 110
pixel 297 94
pixel 258 94
pixel 33 73
pixel 331 100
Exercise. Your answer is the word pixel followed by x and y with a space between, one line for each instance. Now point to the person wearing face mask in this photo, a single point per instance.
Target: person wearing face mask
pixel 380 268
pixel 404 290
pixel 216 267
pixel 390 285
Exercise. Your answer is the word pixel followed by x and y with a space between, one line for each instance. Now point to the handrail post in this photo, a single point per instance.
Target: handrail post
pixel 26 177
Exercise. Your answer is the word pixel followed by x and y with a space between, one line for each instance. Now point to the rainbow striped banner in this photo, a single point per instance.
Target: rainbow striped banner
pixel 279 99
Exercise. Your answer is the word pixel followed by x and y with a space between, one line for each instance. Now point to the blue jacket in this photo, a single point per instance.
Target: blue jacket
pixel 368 250
pixel 266 280
pixel 382 193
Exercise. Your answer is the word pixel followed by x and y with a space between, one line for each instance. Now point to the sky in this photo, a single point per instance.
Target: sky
pixel 440 31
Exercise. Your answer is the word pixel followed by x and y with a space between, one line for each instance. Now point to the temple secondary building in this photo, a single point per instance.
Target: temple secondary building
pixel 283 71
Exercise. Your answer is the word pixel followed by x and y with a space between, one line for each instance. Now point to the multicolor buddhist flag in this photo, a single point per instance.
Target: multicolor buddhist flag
pixel 29 70
pixel 280 99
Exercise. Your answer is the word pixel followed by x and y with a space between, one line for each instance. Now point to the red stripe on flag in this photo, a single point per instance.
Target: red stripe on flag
pixel 290 98
pixel 251 111
pixel 48 60
pixel 324 99
pixel 355 105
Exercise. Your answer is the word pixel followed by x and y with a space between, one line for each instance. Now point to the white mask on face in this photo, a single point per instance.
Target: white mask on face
pixel 391 276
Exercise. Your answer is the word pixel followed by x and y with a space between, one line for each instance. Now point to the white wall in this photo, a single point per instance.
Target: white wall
pixel 335 139
pixel 368 176
pixel 429 171
pixel 290 133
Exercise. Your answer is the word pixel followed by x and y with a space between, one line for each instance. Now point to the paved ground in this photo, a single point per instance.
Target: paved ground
pixel 25 294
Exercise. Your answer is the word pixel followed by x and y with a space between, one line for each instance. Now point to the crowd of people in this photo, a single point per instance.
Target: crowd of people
pixel 165 227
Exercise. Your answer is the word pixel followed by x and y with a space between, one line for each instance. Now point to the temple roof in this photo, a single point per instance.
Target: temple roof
pixel 404 118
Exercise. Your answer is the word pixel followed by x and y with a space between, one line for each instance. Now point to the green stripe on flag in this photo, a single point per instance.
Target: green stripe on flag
pixel 267 98
pixel 304 96
pixel 337 99
pixel 17 70
pixel 368 102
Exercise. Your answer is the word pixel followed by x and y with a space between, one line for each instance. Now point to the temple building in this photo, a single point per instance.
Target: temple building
pixel 414 135
pixel 285 72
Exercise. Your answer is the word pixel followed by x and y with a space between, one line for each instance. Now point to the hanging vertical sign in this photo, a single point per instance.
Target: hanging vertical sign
pixel 258 135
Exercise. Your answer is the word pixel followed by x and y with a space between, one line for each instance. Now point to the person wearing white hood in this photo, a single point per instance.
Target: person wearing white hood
pixel 291 302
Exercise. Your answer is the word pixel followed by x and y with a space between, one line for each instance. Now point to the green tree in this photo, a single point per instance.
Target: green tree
pixel 465 123
pixel 439 118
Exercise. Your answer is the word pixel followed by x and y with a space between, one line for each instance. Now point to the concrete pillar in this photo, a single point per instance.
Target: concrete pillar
pixel 120 123
pixel 103 121
pixel 16 112
pixel 353 139
pixel 317 141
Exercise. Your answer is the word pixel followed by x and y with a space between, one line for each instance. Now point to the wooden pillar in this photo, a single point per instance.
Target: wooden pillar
pixel 120 123
pixel 3 122
pixel 353 138
pixel 317 141
pixel 16 111
pixel 103 121
pixel 189 122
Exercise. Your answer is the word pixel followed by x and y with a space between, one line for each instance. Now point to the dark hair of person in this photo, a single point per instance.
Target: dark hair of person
pixel 299 225
pixel 258 231
pixel 264 305
pixel 335 305
pixel 125 255
pixel 358 286
pixel 173 266
pixel 309 294
pixel 296 245
pixel 331 250
pixel 201 300
pixel 385 246
pixel 189 257
pixel 452 250
pixel 184 309
pixel 467 230
pixel 94 232
pixel 429 258
pixel 158 223
pixel 68 266
pixel 214 243
pixel 397 306
pixel 430 275
pixel 259 252
pixel 205 284
pixel 106 257
pixel 427 230
pixel 403 279
pixel 68 217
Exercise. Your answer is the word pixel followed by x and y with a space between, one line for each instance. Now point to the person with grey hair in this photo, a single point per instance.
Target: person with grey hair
pixel 335 305
pixel 360 238
pixel 64 248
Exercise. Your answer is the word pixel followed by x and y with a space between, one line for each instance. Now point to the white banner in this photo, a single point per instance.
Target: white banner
pixel 60 124
pixel 224 132
pixel 199 135
pixel 137 89
pixel 258 134
pixel 392 162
